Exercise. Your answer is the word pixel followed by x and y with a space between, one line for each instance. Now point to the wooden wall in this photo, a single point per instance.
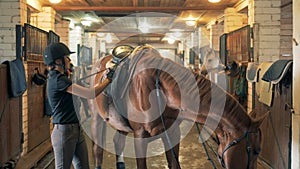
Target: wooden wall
pixel 10 122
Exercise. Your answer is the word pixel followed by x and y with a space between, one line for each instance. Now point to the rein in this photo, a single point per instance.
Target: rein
pixel 117 63
pixel 157 82
pixel 234 142
pixel 204 146
pixel 89 75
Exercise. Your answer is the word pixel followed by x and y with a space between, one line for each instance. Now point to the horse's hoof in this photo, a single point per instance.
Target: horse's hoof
pixel 120 165
pixel 98 167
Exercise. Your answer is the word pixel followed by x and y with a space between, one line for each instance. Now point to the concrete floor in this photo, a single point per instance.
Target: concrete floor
pixel 192 155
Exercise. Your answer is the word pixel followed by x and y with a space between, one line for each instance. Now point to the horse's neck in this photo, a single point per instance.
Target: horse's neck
pixel 232 116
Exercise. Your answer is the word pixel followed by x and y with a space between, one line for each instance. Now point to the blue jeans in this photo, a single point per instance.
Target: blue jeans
pixel 69 147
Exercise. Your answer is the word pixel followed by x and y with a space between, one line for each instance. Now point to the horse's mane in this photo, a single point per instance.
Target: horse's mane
pixel 176 76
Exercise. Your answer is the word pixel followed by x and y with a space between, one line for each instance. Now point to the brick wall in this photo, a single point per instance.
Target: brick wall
pixel 46 19
pixel 286 31
pixel 91 40
pixel 12 12
pixel 215 32
pixel 233 20
pixel 266 16
pixel 62 29
pixel 75 38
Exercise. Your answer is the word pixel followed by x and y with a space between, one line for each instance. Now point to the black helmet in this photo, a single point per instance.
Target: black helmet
pixel 55 51
pixel 120 52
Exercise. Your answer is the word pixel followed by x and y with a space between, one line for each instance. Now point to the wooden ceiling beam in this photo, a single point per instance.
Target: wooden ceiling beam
pixel 122 8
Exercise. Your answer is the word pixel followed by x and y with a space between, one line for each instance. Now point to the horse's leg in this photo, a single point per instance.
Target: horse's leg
pixel 140 145
pixel 119 143
pixel 172 152
pixel 98 131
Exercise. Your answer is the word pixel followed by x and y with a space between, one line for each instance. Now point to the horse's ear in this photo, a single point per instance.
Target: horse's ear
pixel 257 122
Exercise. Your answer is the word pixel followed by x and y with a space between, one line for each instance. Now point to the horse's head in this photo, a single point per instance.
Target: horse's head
pixel 242 152
pixel 211 61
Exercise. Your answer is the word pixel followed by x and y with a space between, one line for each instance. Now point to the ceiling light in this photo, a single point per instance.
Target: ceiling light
pixel 214 1
pixel 100 34
pixel 190 22
pixel 86 23
pixel 55 1
pixel 171 41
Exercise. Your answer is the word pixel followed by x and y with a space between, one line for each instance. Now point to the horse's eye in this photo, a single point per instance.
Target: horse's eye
pixel 209 60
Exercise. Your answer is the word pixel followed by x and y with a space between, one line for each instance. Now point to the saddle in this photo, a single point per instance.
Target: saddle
pixel 124 71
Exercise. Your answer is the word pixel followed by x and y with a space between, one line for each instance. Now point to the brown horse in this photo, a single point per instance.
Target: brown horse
pixel 151 95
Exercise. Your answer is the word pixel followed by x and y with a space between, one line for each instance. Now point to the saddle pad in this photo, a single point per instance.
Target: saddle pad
pixel 264 90
pixel 277 71
pixel 17 84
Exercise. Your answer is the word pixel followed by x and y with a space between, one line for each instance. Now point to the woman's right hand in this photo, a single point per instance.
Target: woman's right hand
pixel 110 73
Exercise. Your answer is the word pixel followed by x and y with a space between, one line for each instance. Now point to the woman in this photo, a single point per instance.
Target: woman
pixel 67 137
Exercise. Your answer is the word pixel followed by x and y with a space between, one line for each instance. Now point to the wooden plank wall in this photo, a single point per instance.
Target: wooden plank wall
pixel 10 124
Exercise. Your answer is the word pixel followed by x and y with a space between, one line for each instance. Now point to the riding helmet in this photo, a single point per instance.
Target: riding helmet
pixel 55 51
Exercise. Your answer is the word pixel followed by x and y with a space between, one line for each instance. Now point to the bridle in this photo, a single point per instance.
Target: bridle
pixel 235 142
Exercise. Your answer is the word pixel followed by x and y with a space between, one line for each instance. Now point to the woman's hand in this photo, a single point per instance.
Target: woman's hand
pixel 110 73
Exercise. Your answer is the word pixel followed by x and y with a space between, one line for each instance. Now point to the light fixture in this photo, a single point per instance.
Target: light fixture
pixel 190 22
pixel 100 34
pixel 171 40
pixel 86 22
pixel 55 1
pixel 214 1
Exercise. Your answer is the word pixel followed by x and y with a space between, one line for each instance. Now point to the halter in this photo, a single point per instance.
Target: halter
pixel 234 142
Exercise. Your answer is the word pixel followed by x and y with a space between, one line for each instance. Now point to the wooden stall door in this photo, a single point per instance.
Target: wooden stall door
pixel 10 122
pixel 276 128
pixel 235 46
pixel 36 41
